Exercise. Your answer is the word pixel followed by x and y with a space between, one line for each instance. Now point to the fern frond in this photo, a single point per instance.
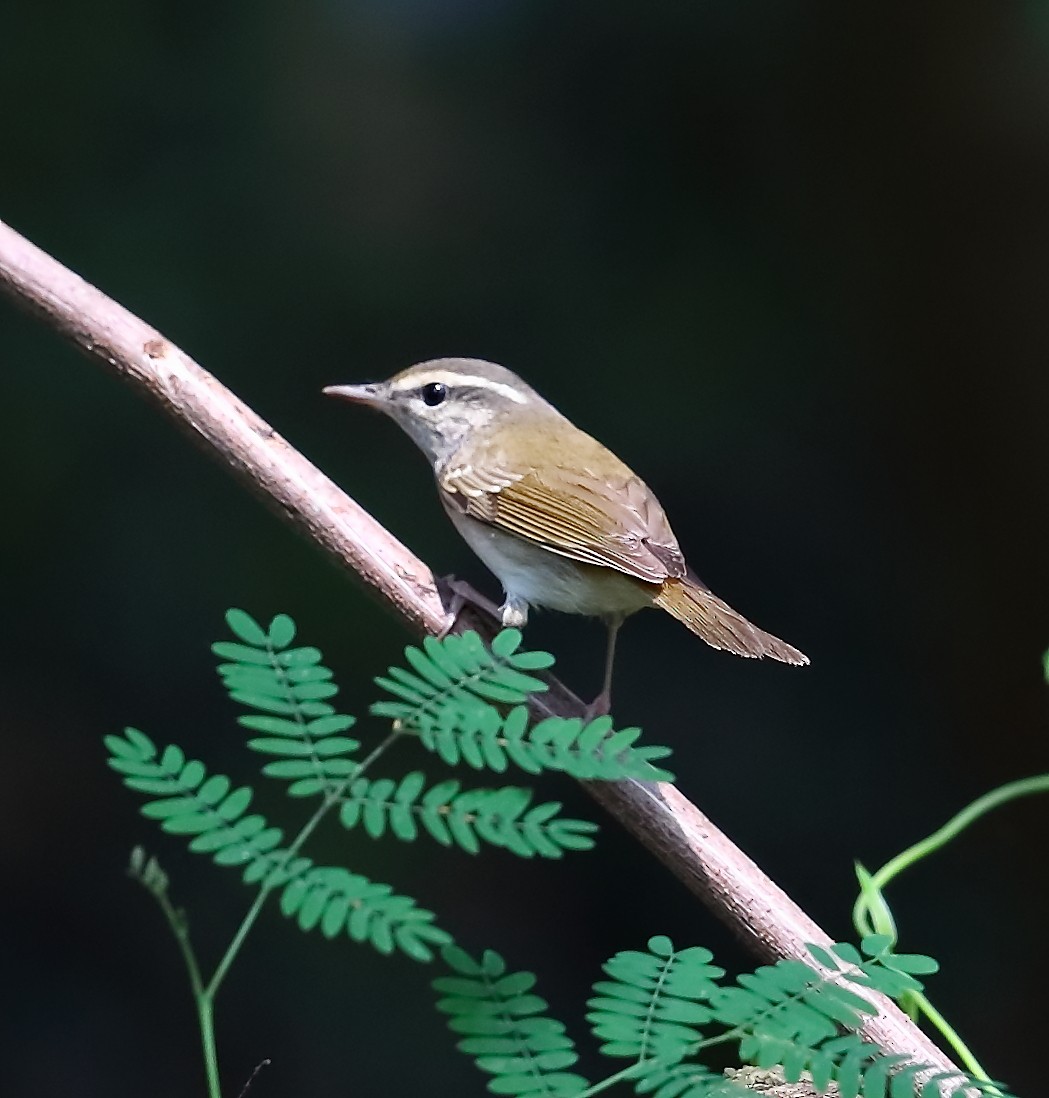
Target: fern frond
pixel 651 1008
pixel 288 688
pixel 790 1014
pixel 188 802
pixel 463 818
pixel 484 738
pixel 789 1000
pixel 504 1028
pixel 336 900
pixel 449 700
pixel 861 1069
pixel 691 1081
pixel 458 675
pixel 893 974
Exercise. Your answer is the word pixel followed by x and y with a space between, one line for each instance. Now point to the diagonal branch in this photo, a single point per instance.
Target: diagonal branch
pixel 768 922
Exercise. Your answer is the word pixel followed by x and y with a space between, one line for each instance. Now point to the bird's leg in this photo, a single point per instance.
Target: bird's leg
pixel 456 594
pixel 602 704
pixel 514 613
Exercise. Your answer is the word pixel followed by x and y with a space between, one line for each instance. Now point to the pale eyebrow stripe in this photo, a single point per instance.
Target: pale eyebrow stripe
pixel 474 380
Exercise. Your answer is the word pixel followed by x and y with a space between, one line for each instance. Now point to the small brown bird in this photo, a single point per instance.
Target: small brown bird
pixel 558 518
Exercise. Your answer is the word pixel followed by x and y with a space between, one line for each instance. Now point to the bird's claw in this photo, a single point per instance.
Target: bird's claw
pixel 457 594
pixel 601 706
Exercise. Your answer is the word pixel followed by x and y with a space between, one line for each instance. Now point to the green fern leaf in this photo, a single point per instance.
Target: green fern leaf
pixel 342 902
pixel 449 699
pixel 893 974
pixel 282 631
pixel 653 1006
pixel 593 750
pixel 193 804
pixel 246 628
pixel 789 1001
pixel 500 817
pixel 190 803
pixel 288 687
pixel 691 1081
pixel 504 1029
pixel 454 676
pixel 789 1014
pixel 859 1069
pixel 482 738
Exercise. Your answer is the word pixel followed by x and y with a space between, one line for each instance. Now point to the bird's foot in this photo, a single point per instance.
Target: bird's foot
pixel 601 706
pixel 457 594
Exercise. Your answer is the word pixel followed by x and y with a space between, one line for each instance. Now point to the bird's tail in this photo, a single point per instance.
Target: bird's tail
pixel 719 625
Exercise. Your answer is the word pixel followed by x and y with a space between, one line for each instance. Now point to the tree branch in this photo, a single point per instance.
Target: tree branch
pixel 768 922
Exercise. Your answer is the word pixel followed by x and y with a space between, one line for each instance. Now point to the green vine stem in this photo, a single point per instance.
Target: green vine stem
pixel 627 1073
pixel 950 1035
pixel 1011 791
pixel 871 913
pixel 180 929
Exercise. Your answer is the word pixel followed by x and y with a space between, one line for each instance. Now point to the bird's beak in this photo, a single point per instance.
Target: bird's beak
pixel 357 394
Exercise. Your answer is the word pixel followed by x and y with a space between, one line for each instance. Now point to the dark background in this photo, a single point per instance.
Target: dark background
pixel 790 260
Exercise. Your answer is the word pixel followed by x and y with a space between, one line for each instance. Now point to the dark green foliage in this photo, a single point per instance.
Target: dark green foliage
pixel 651 1008
pixel 188 802
pixel 690 1081
pixel 457 675
pixel 658 1009
pixel 450 698
pixel 791 1014
pixel 499 817
pixel 790 1000
pixel 288 687
pixel 288 690
pixel 860 1069
pixel 484 738
pixel 662 1007
pixel 793 1001
pixel 504 1028
pixel 339 901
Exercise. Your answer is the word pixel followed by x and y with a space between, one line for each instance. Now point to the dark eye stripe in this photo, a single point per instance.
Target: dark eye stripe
pixel 434 393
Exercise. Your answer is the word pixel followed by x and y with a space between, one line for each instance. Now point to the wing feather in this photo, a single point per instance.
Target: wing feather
pixel 589 507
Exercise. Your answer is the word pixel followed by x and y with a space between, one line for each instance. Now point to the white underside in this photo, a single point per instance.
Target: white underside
pixel 532 575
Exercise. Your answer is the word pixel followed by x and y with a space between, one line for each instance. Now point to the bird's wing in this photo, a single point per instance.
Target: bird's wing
pixel 574 499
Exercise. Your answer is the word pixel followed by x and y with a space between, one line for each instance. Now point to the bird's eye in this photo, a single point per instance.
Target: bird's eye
pixel 434 393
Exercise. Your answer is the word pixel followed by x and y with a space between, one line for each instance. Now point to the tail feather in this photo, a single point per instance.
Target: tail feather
pixel 719 625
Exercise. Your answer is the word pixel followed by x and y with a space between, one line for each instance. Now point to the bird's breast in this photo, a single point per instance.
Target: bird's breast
pixel 542 577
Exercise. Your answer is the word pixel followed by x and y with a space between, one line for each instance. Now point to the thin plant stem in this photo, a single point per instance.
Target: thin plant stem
pixel 636 1068
pixel 253 912
pixel 1025 787
pixel 950 1035
pixel 376 753
pixel 204 995
pixel 871 911
pixel 180 931
pixel 254 1075
pixel 223 967
pixel 206 1019
pixel 619 1077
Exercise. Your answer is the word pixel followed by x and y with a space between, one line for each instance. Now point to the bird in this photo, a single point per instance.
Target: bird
pixel 561 521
